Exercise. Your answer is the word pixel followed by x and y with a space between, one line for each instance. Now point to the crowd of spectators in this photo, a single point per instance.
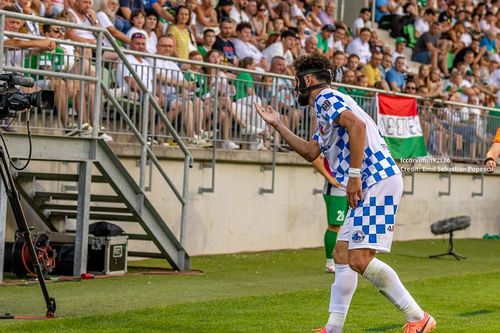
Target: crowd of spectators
pixel 454 42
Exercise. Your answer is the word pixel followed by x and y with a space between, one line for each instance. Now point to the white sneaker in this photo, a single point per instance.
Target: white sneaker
pixel 87 128
pixel 330 268
pixel 258 144
pixel 228 144
pixel 106 137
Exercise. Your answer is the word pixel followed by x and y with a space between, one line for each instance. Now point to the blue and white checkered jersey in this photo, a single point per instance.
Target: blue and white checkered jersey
pixel 333 140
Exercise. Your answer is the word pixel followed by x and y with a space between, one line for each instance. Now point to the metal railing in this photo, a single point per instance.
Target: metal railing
pixel 80 82
pixel 213 105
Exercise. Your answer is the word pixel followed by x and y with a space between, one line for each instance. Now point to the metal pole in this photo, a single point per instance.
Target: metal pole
pixel 3 226
pixel 374 8
pixel 82 218
pixel 2 28
pixel 185 191
pixel 97 87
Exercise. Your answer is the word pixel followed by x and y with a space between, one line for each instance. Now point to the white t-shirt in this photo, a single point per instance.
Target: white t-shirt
pixel 333 140
pixel 238 16
pixel 396 55
pixel 83 22
pixel 466 39
pixel 361 49
pixel 105 22
pixel 171 71
pixel 151 42
pixel 244 50
pixel 14 56
pixel 142 67
pixel 421 26
pixel 276 49
pixel 337 46
pixel 495 81
pixel 358 24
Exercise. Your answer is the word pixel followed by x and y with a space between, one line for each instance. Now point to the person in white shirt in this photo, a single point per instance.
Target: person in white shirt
pixel 363 21
pixel 237 12
pixel 340 39
pixel 84 15
pixel 245 49
pixel 360 46
pixel 173 88
pixel 141 66
pixel 422 25
pixel 106 17
pixel 282 48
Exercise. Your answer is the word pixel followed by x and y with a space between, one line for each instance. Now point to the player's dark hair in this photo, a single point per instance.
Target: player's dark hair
pixel 314 62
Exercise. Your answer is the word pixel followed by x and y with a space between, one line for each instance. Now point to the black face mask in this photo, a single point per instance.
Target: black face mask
pixel 304 99
pixel 303 91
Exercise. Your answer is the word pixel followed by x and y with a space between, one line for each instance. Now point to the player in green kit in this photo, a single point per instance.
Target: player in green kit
pixel 336 207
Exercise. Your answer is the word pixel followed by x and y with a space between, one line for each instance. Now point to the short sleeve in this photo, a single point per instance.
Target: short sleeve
pixel 330 106
pixel 104 20
pixel 390 77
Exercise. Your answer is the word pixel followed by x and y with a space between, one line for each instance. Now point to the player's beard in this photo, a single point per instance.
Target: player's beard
pixel 304 99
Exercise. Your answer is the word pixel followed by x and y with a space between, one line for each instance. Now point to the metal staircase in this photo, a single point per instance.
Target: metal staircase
pixel 124 202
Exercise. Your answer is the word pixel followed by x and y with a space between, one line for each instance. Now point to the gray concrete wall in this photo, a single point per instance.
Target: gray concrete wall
pixel 237 218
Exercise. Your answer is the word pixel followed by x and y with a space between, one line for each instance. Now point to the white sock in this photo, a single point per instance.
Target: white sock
pixel 388 283
pixel 329 261
pixel 346 281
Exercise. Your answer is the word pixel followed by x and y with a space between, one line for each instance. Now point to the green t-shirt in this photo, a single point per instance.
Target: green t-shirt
pixel 201 82
pixel 322 43
pixel 52 61
pixel 242 82
pixel 202 50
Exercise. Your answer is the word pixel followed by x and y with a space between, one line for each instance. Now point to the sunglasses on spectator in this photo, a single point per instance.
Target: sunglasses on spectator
pixel 59 30
pixel 411 88
pixel 262 9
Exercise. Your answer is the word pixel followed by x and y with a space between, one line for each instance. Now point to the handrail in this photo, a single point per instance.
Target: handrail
pixel 115 47
pixel 98 78
pixel 119 50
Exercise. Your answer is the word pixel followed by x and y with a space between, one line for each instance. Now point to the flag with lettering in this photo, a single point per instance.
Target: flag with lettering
pixel 399 124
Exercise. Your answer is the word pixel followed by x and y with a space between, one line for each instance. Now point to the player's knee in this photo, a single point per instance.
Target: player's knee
pixel 340 254
pixel 359 261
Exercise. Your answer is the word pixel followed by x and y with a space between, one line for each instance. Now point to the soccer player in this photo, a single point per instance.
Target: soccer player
pixel 361 162
pixel 336 208
pixel 491 156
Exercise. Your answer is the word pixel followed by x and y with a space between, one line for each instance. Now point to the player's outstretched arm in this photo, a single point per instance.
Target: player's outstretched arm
pixel 307 149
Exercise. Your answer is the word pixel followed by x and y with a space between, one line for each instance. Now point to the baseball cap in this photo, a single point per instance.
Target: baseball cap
pixel 137 35
pixel 400 40
pixel 328 27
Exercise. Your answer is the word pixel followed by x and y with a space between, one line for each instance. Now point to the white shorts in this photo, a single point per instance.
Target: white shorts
pixel 371 224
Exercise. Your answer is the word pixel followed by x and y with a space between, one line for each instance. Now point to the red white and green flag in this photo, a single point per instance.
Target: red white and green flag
pixel 399 124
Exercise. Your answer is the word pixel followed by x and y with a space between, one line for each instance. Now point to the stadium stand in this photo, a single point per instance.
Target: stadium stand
pixel 449 52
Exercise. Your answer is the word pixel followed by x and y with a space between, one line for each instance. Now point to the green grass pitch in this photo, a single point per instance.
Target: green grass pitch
pixel 278 291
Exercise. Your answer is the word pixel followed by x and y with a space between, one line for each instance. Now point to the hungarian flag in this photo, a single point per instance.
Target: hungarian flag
pixel 399 124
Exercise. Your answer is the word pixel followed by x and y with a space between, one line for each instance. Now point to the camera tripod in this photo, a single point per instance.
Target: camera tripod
pixel 22 226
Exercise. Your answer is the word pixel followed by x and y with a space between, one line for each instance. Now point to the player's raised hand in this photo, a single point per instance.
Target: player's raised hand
pixel 269 115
